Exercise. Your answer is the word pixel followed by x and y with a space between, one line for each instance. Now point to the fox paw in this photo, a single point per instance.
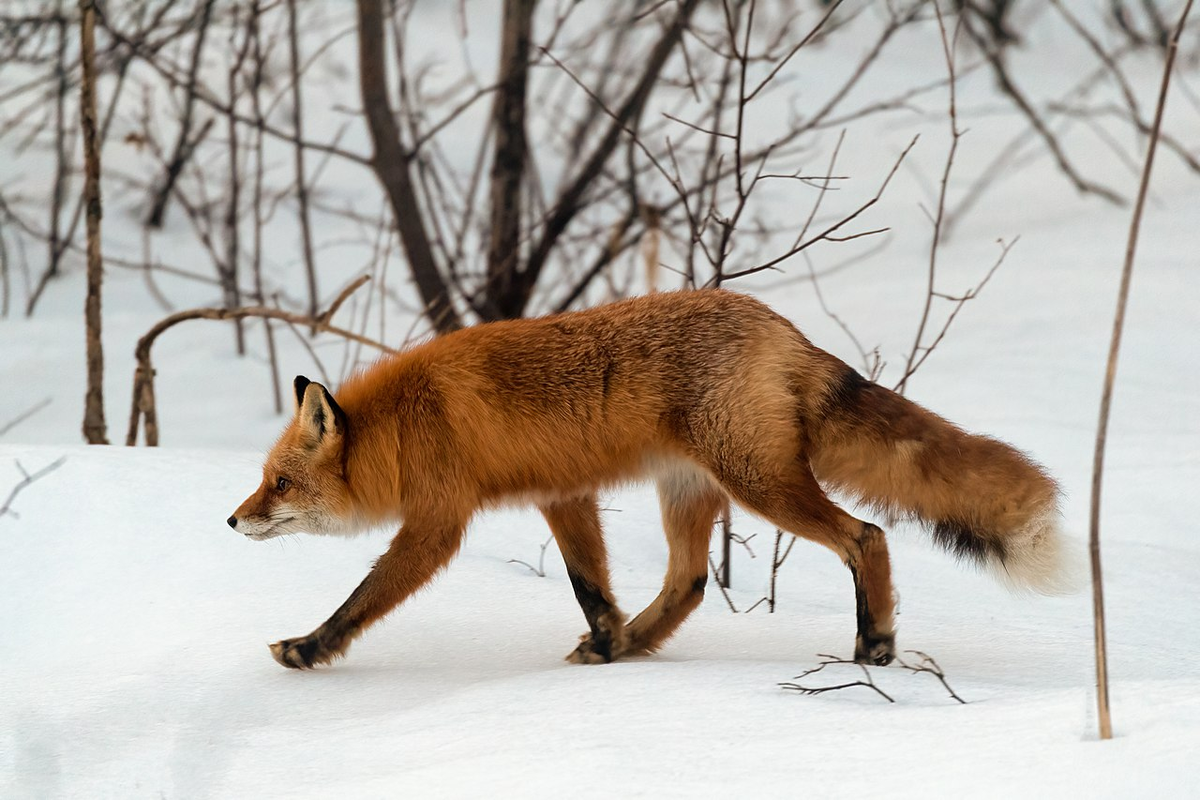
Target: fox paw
pixel 876 649
pixel 305 652
pixel 592 650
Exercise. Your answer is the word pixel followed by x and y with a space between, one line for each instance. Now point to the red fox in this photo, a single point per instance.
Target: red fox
pixel 709 393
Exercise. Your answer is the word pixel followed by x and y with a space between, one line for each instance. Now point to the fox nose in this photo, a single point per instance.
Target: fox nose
pixel 232 522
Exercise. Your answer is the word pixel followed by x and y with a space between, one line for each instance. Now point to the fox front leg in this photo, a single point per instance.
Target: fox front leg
pixel 412 559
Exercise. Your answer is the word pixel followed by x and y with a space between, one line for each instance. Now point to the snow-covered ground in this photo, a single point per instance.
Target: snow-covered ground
pixel 134 659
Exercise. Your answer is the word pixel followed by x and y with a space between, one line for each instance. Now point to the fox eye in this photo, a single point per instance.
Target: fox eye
pixel 282 485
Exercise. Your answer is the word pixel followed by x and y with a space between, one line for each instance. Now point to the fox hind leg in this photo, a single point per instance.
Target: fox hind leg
pixel 690 502
pixel 576 527
pixel 793 500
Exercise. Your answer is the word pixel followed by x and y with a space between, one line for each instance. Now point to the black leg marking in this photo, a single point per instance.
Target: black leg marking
pixel 870 647
pixel 860 604
pixel 594 606
pixel 699 584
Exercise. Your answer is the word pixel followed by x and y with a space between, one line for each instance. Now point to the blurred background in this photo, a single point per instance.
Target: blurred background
pixel 484 160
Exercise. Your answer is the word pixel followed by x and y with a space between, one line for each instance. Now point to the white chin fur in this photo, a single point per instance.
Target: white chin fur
pixel 283 523
pixel 1040 559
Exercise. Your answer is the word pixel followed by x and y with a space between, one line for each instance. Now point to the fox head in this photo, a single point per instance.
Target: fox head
pixel 304 484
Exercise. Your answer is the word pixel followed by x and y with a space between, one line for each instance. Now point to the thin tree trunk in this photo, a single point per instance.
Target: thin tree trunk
pixel 301 181
pixel 571 200
pixel 726 547
pixel 4 280
pixel 1110 376
pixel 229 276
pixel 257 198
pixel 390 163
pixel 185 143
pixel 62 169
pixel 94 428
pixel 60 148
pixel 508 160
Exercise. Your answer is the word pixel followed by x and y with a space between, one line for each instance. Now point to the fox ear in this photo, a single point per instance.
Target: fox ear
pixel 301 383
pixel 321 418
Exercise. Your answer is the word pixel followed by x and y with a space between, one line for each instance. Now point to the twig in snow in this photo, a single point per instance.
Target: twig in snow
pixel 28 478
pixel 815 690
pixel 777 560
pixel 929 665
pixel 540 569
pixel 724 591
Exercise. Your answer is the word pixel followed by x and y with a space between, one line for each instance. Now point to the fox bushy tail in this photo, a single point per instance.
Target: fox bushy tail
pixel 982 499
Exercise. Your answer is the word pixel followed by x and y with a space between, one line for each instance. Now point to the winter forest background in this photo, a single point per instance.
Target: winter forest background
pixel 938 194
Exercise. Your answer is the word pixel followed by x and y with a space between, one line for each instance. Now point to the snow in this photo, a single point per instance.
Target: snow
pixel 135 622
pixel 135 664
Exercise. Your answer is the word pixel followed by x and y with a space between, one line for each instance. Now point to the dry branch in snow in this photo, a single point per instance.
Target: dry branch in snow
pixel 24 415
pixel 1110 376
pixel 926 665
pixel 26 480
pixel 868 682
pixel 540 569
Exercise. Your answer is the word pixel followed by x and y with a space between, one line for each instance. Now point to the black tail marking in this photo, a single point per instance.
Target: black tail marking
pixel 966 543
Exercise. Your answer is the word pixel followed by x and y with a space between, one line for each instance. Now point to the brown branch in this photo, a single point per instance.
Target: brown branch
pixel 254 33
pixel 948 50
pixel 869 683
pixel 143 405
pixel 724 578
pixel 1109 379
pixel 930 666
pixel 62 161
pixel 391 164
pixel 94 427
pixel 825 235
pixel 831 7
pixel 185 143
pixel 306 239
pixel 570 201
pixel 1008 86
pixel 816 284
pixel 724 591
pixel 960 301
pixel 508 159
pixel 55 241
pixel 229 270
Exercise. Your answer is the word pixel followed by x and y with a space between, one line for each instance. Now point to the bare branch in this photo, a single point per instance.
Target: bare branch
pixel 310 267
pixel 508 159
pixel 144 406
pixel 724 591
pixel 540 569
pixel 390 163
pixel 1008 86
pixel 868 683
pixel 1110 378
pixel 6 506
pixel 24 415
pixel 95 430
pixel 185 142
pixel 571 199
pixel 930 666
pixel 826 234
